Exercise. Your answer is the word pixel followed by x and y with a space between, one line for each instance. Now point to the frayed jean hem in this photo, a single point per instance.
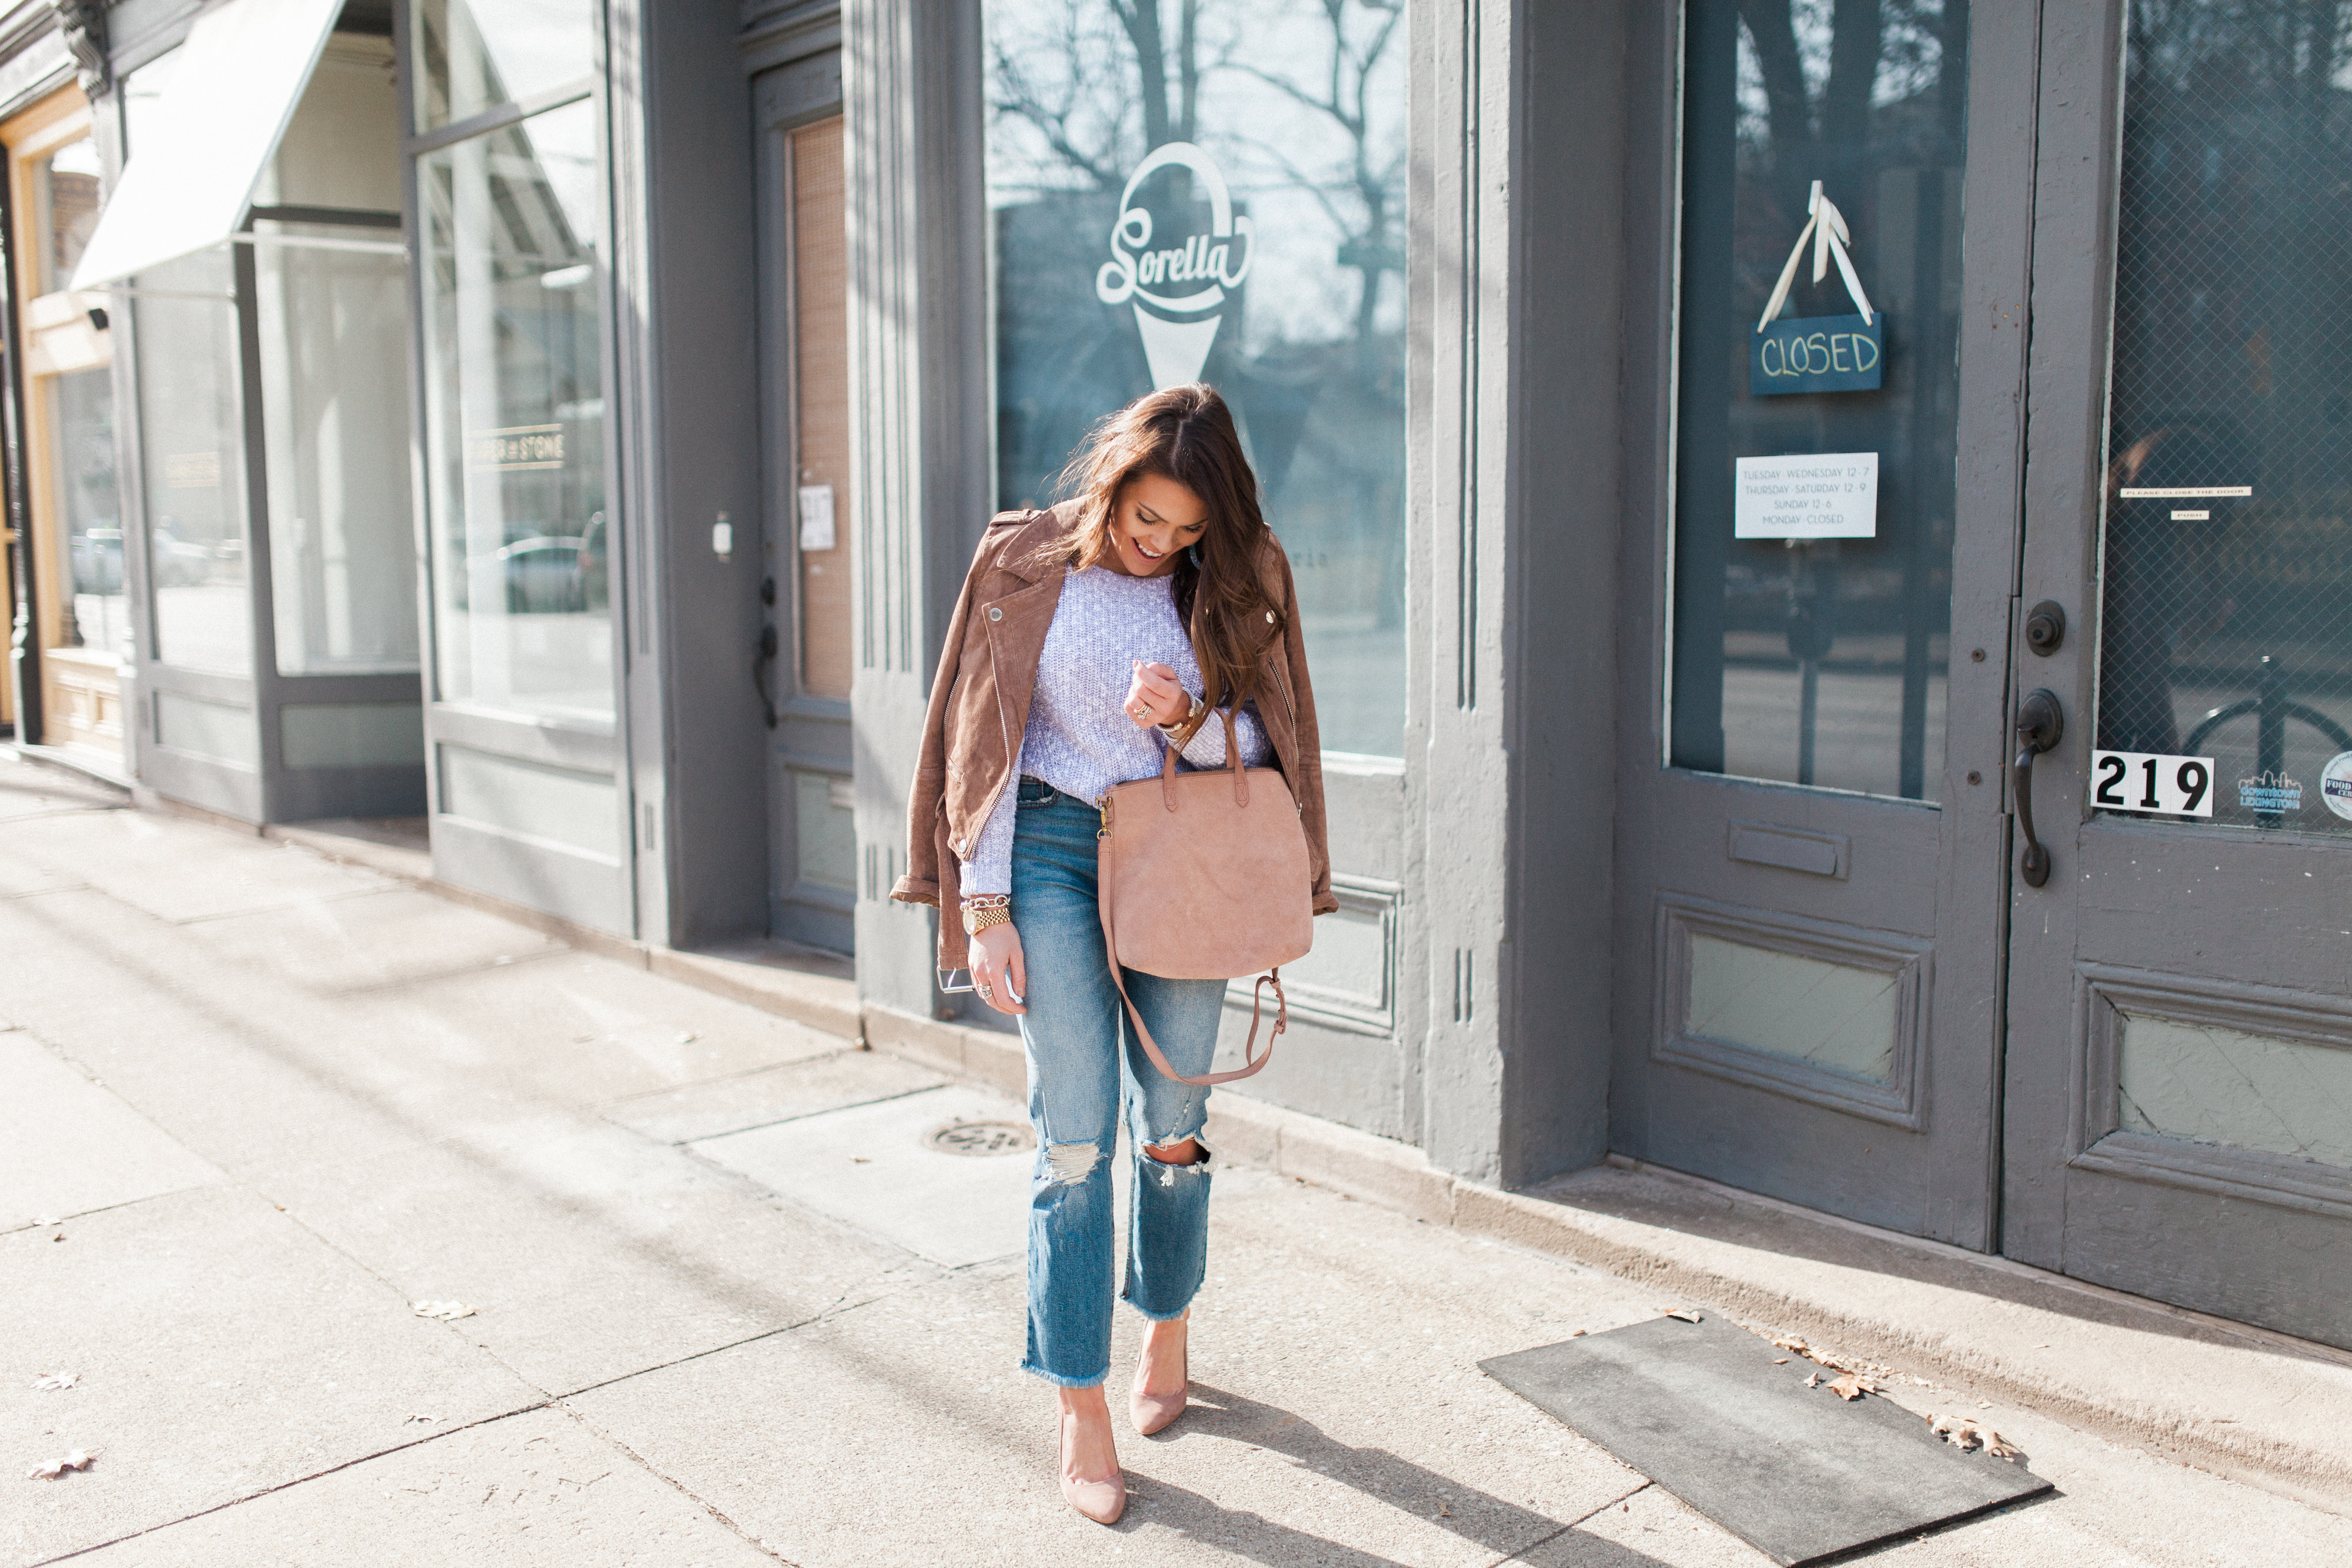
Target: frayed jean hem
pixel 1148 1316
pixel 1059 1381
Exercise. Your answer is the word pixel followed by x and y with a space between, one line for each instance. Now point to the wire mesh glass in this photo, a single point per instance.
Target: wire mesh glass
pixel 2226 565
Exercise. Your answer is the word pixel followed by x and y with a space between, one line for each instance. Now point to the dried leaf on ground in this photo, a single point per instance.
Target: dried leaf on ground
pixel 1852 1385
pixel 448 1311
pixel 77 1460
pixel 56 1379
pixel 1684 1313
pixel 1813 1380
pixel 1967 1432
pixel 1790 1341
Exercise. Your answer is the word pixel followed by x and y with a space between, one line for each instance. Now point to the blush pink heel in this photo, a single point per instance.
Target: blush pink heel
pixel 1102 1501
pixel 1152 1412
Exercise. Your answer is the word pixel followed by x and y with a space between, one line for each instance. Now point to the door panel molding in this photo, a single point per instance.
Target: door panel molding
pixel 2106 992
pixel 1898 1103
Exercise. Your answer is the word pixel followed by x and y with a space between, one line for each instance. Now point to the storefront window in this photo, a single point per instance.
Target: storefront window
pixel 479 55
pixel 331 308
pixel 515 419
pixel 342 546
pixel 81 429
pixel 1215 191
pixel 192 441
pixel 69 352
pixel 1815 487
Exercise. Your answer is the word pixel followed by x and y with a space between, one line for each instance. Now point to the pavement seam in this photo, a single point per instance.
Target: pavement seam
pixel 297 1480
pixel 838 1310
pixel 1593 1513
pixel 647 1466
pixel 796 1116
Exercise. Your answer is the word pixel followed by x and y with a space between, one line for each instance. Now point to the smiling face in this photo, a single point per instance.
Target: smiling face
pixel 1153 521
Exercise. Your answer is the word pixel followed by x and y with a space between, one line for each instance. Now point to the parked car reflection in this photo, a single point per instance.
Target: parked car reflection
pixel 543 574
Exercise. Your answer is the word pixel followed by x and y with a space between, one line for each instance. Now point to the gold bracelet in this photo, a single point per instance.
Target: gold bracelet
pixel 1187 721
pixel 977 919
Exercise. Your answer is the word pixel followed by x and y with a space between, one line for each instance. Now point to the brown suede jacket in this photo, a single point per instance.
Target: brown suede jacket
pixel 979 707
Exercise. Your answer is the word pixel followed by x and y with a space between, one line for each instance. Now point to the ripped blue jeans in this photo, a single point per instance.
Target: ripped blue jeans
pixel 1080 1080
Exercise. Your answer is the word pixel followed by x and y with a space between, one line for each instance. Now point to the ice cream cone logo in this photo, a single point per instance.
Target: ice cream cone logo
pixel 1178 294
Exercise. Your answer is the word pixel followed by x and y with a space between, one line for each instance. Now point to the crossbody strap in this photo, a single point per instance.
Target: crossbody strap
pixel 1151 1047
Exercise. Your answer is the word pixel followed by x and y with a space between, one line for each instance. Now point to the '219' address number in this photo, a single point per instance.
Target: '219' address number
pixel 2141 781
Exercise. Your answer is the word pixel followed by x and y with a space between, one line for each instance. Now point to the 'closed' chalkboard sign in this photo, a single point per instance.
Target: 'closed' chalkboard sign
pixel 1817 354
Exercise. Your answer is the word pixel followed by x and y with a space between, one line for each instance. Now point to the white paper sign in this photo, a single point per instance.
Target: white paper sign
pixel 816 517
pixel 2151 781
pixel 1820 496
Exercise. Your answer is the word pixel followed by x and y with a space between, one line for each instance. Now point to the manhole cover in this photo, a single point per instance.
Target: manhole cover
pixel 981 1138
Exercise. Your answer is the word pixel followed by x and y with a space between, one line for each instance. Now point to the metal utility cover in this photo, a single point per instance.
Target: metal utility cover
pixel 1796 1473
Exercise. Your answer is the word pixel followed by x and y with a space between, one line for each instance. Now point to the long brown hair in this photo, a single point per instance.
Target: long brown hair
pixel 1186 434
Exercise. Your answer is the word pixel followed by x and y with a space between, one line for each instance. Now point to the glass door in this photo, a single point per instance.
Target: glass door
pixel 1815 861
pixel 2181 1036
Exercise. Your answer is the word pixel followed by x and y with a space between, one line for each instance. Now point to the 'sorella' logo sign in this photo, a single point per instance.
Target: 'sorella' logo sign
pixel 1178 291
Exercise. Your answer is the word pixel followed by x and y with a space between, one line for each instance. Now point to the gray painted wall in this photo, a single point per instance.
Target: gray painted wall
pixel 686 316
pixel 1561 635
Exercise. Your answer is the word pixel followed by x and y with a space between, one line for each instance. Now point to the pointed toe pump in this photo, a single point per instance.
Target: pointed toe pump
pixel 1100 1501
pixel 1152 1412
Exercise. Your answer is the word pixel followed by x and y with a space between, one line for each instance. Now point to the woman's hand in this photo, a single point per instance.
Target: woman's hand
pixel 1156 696
pixel 998 972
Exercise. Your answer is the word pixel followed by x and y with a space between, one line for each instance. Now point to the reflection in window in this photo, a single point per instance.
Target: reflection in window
pixel 192 449
pixel 1819 660
pixel 334 398
pixel 479 54
pixel 332 324
pixel 515 420
pixel 68 353
pixel 1214 190
pixel 2226 620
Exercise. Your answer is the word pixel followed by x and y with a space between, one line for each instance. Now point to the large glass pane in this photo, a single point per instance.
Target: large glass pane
pixel 88 508
pixel 335 386
pixel 65 189
pixel 192 456
pixel 2226 579
pixel 475 55
pixel 1213 189
pixel 515 420
pixel 1812 600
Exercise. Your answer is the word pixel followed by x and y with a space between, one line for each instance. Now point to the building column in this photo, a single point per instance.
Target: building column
pixel 919 409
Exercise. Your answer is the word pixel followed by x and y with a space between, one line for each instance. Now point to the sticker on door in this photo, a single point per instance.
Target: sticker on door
pixel 2153 782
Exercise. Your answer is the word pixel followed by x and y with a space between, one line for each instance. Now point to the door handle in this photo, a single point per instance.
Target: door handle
pixel 2040 724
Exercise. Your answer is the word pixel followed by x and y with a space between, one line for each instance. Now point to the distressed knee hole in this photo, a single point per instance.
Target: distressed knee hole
pixel 1069 1163
pixel 1167 1163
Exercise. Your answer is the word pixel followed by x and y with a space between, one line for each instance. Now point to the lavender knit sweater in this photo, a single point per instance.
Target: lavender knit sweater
pixel 1078 738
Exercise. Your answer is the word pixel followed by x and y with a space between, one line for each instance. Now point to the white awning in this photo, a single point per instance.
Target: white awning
pixel 232 92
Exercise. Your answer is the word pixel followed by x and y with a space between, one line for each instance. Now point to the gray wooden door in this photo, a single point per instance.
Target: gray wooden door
pixel 2180 1057
pixel 1811 864
pixel 805 671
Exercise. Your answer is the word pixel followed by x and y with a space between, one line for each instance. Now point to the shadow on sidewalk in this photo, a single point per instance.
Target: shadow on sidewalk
pixel 1477 1517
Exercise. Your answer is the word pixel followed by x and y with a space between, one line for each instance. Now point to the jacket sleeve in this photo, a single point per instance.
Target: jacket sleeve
pixel 920 884
pixel 1308 786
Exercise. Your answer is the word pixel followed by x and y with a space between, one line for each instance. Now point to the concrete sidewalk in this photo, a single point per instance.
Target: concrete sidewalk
pixel 728 1306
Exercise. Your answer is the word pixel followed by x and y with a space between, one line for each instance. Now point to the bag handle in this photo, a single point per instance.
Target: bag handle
pixel 1233 763
pixel 1151 1046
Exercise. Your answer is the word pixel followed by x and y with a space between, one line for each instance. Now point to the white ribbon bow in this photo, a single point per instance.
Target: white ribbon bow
pixel 1827 226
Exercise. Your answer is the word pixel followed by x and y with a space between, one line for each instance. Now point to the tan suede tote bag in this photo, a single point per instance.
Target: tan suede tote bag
pixel 1203 876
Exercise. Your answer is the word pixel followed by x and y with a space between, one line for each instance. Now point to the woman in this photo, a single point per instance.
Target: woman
pixel 1116 624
